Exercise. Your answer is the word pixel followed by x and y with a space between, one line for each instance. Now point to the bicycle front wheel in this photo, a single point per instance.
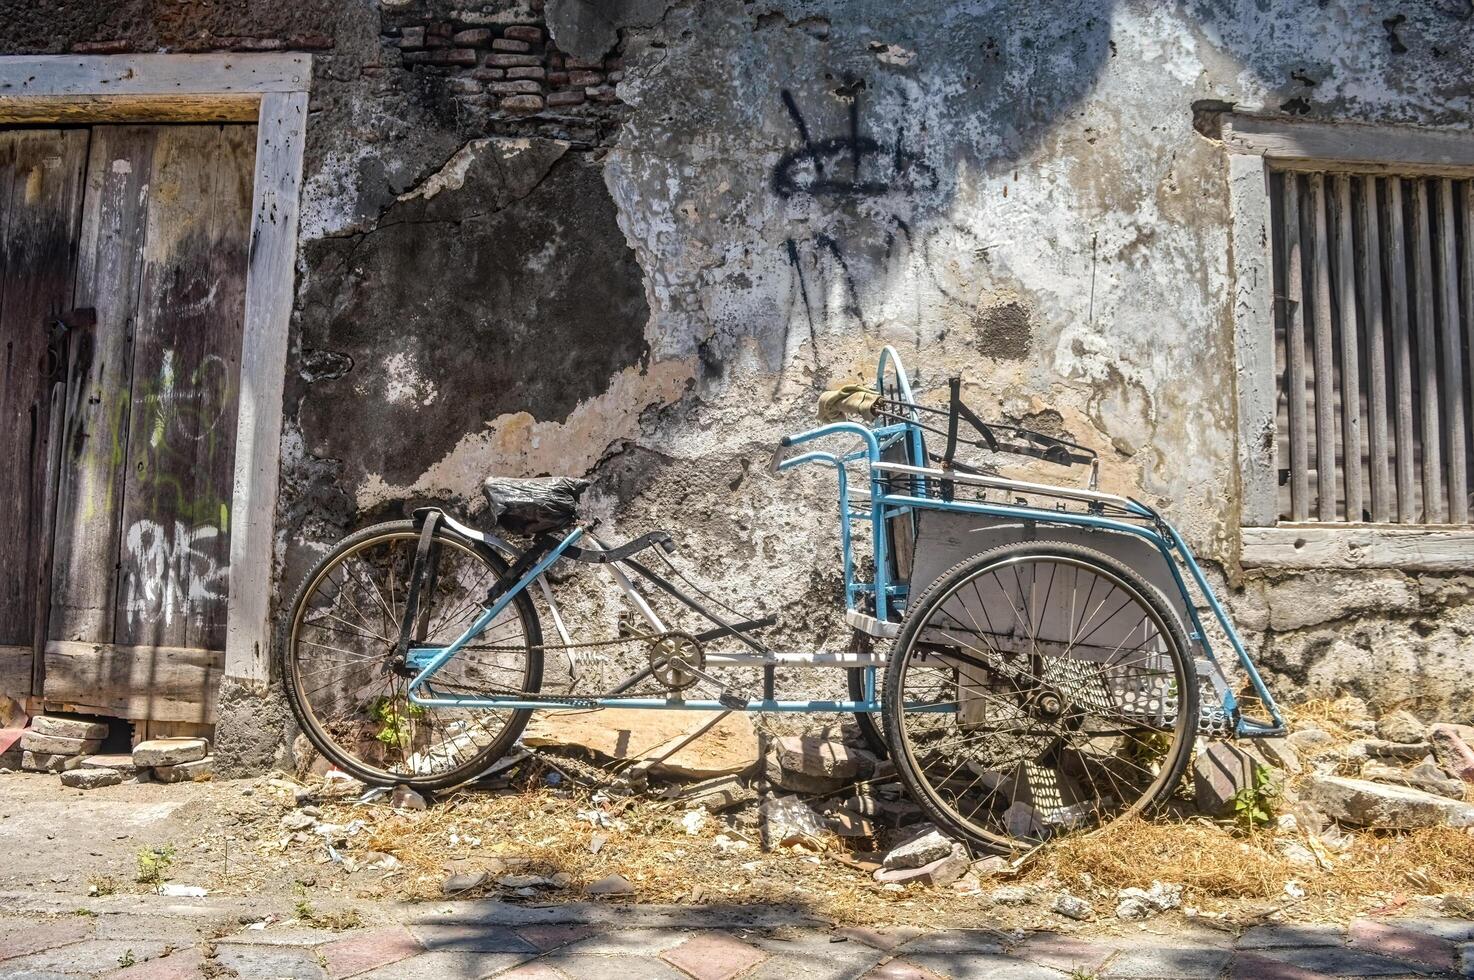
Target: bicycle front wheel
pixel 351 698
pixel 1037 689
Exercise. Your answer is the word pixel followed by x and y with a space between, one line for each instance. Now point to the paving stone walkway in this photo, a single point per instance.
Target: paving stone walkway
pixel 163 939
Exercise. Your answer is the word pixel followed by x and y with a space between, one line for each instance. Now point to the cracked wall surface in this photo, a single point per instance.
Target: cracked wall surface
pixel 635 240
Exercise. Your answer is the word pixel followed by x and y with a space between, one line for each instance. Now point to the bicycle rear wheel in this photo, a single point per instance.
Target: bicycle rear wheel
pixel 350 698
pixel 1037 689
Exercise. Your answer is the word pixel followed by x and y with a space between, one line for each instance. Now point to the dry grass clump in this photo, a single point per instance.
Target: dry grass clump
pixel 1437 859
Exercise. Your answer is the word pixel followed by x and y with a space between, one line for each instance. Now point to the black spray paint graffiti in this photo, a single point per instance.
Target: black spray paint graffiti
pixel 851 165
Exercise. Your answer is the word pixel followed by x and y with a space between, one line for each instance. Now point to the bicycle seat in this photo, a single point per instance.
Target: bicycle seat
pixel 533 506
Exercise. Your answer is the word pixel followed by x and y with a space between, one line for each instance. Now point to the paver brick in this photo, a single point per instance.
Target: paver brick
pixel 1176 962
pixel 900 970
pixel 88 956
pixel 21 936
pixel 1064 952
pixel 1342 961
pixel 1256 966
pixel 1266 937
pixel 471 937
pixel 589 966
pixel 714 956
pixel 269 962
pixel 885 937
pixel 184 964
pixel 1402 944
pixel 811 955
pixel 369 950
pixel 445 965
pixel 555 934
pixel 535 970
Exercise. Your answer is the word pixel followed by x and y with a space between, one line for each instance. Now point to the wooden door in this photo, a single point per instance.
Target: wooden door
pixel 142 529
pixel 40 203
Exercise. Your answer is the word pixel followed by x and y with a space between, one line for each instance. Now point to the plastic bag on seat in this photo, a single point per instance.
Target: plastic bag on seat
pixel 533 506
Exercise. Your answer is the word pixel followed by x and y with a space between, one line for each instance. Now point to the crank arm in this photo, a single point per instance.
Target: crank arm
pixel 728 699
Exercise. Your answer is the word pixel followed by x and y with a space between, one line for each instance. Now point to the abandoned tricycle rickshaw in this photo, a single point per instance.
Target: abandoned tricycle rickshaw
pixel 1035 652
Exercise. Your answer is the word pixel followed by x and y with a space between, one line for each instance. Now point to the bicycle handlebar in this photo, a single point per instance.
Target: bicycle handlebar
pixel 778 463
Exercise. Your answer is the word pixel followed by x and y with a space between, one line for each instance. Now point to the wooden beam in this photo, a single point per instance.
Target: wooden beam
pixel 1325 370
pixel 1311 547
pixel 1427 346
pixel 1402 358
pixel 1452 356
pixel 1254 307
pixel 1295 351
pixel 159 683
pixel 131 75
pixel 1406 149
pixel 1376 349
pixel 15 671
pixel 280 135
pixel 84 109
pixel 1350 333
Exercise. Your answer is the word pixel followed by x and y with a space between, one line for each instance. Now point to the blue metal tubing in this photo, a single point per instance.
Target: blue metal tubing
pixel 513 704
pixel 1166 545
pixel 438 658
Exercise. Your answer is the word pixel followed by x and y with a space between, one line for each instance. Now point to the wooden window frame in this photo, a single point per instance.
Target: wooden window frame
pixel 1255 144
pixel 269 90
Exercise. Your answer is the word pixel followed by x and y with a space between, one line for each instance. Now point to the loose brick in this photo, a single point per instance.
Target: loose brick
pixel 499 60
pixel 584 78
pixel 521 32
pixel 412 38
pixel 523 87
pixel 522 103
pixel 525 72
pixel 509 44
pixel 565 98
pixel 454 56
pixel 474 36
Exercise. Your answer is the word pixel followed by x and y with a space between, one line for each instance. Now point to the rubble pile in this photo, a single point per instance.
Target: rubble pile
pixel 72 747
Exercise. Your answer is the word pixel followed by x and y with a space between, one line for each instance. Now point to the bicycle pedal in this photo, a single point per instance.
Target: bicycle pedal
pixel 733 702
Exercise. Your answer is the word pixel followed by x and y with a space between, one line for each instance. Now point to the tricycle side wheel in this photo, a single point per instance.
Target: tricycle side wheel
pixel 1037 689
pixel 872 731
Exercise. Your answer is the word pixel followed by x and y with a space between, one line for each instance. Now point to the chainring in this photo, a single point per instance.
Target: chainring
pixel 670 653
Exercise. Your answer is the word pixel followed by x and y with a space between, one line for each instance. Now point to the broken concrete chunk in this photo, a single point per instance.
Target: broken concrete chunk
pixel 1426 776
pixel 942 871
pixel 68 727
pixel 1278 752
pixel 34 741
pixel 1401 726
pixel 1071 907
pixel 1381 748
pixel 630 734
pixel 1137 904
pixel 120 761
pixel 1311 741
pixel 1221 771
pixel 298 820
pixel 186 772
pixel 1012 895
pixel 923 847
pixel 610 885
pixel 1367 804
pixel 168 751
pixel 49 762
pixel 721 793
pixel 1452 752
pixel 82 778
pixel 822 758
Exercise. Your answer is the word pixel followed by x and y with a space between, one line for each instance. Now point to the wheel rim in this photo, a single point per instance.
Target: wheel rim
pixel 1040 696
pixel 342 669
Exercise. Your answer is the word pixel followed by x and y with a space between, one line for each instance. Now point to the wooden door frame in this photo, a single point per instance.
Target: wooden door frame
pixel 269 90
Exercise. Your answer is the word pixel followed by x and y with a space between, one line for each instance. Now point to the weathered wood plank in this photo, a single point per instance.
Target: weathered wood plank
pixel 1426 321
pixel 175 522
pixel 1325 369
pixel 1402 358
pixel 153 74
pixel 1466 216
pixel 1350 333
pixel 89 109
pixel 1452 357
pixel 1254 305
pixel 1407 148
pixel 1295 351
pixel 109 263
pixel 15 671
pixel 1376 350
pixel 41 171
pixel 1358 546
pixel 269 290
pixel 155 682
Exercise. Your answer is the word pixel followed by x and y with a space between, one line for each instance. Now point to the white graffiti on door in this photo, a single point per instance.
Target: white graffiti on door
pixel 171 570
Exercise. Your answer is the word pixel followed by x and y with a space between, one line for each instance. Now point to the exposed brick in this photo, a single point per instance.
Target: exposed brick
pixel 522 103
pixel 497 60
pixel 510 44
pixel 553 935
pixel 102 47
pixel 258 44
pixel 526 72
pixel 555 60
pixel 412 37
pixel 475 36
pixel 557 78
pixel 454 56
pixel 580 63
pixel 416 57
pixel 520 87
pixel 602 93
pixel 714 956
pixel 585 78
pixel 1403 944
pixel 522 32
pixel 368 950
pixel 565 98
pixel 488 74
pixel 440 29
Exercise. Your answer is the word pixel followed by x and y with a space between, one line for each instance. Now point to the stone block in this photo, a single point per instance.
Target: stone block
pixel 454 56
pixel 943 871
pixel 1452 752
pixel 923 847
pixel 828 758
pixel 197 771
pixel 1425 776
pixel 1220 771
pixel 489 74
pixel 69 727
pixel 526 72
pixel 520 87
pixel 1401 726
pixel 34 741
pixel 81 778
pixel 48 762
pixel 1367 804
pixel 168 751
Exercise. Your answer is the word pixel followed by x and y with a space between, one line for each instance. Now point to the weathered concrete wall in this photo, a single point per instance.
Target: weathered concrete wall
pixel 640 245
